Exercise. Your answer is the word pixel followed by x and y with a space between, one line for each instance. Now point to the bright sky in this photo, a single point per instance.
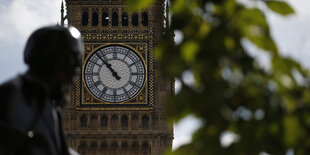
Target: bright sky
pixel 20 17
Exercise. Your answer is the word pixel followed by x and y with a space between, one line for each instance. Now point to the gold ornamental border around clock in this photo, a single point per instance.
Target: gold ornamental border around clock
pixel 141 98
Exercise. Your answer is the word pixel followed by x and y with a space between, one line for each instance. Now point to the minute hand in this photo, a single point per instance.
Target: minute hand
pixel 110 68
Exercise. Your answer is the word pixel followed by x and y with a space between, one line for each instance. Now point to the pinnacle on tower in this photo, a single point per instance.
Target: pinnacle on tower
pixel 62 14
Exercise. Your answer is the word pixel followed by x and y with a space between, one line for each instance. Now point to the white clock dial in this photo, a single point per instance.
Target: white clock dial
pixel 114 74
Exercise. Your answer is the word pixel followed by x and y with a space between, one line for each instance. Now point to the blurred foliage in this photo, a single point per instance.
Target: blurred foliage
pixel 268 108
pixel 138 5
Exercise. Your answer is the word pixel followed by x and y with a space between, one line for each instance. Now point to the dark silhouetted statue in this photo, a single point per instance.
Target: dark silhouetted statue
pixel 30 103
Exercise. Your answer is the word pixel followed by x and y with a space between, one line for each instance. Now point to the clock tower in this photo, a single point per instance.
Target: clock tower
pixel 118 95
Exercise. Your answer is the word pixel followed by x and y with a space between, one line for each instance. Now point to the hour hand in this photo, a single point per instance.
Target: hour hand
pixel 115 75
pixel 110 68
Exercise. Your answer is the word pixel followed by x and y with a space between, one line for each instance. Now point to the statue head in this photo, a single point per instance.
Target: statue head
pixel 54 52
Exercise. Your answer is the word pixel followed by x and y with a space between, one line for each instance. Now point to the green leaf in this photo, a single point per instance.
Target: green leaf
pixel 158 52
pixel 293 131
pixel 230 6
pixel 253 25
pixel 178 6
pixel 189 51
pixel 280 7
pixel 229 43
pixel 289 104
pixel 138 5
pixel 204 29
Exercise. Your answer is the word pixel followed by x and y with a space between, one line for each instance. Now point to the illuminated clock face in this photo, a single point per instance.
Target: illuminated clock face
pixel 114 74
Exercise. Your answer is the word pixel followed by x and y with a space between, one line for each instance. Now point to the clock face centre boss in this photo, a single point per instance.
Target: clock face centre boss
pixel 114 73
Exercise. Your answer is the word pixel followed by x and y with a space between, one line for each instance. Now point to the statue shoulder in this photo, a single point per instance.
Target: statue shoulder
pixel 9 90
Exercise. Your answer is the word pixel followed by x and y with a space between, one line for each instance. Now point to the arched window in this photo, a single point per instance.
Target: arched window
pixel 135 19
pixel 134 122
pixel 85 18
pixel 124 145
pixel 145 121
pixel 104 145
pixel 104 121
pixel 115 19
pixel 105 18
pixel 114 145
pixel 82 147
pixel 145 19
pixel 95 19
pixel 93 145
pixel 124 19
pixel 83 120
pixel 83 143
pixel 114 122
pixel 124 121
pixel 94 121
pixel 145 145
pixel 134 146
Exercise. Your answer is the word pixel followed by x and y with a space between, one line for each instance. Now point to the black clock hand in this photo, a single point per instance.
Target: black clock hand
pixel 110 68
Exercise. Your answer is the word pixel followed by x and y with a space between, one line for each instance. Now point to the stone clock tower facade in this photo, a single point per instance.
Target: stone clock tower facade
pixel 117 99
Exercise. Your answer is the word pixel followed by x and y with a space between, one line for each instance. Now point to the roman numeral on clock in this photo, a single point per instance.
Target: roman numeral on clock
pixel 97 83
pixel 137 73
pixel 133 84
